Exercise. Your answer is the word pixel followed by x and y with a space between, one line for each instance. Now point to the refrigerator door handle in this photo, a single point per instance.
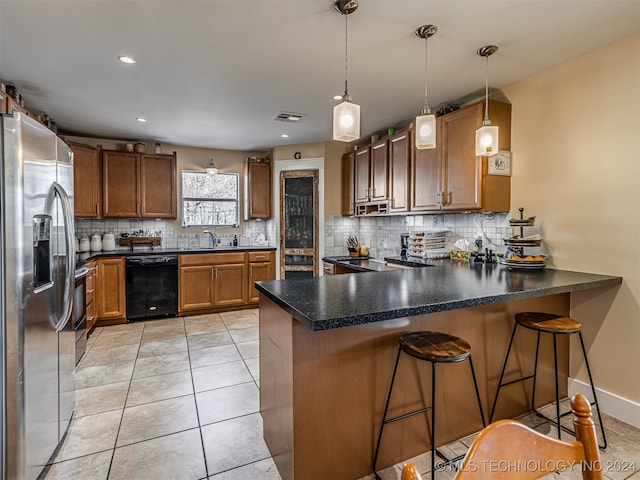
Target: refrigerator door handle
pixel 67 213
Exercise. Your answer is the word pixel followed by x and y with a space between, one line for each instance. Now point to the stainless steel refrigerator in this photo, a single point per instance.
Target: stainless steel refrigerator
pixel 36 280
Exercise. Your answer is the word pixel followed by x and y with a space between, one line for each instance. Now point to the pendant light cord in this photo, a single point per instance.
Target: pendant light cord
pixel 346 50
pixel 486 88
pixel 425 109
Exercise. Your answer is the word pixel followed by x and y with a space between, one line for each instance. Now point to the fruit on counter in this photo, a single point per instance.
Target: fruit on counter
pixel 528 258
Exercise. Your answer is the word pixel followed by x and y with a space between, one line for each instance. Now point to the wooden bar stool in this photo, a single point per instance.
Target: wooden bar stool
pixel 555 325
pixel 433 347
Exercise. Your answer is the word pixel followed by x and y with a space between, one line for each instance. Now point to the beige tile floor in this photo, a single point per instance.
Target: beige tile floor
pixel 168 399
pixel 179 399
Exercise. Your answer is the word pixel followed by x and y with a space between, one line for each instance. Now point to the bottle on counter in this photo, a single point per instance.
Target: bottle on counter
pixel 235 240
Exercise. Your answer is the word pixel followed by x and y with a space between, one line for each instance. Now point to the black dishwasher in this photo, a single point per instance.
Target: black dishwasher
pixel 152 286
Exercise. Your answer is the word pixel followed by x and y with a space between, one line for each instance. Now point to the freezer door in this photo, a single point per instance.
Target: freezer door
pixel 65 252
pixel 35 158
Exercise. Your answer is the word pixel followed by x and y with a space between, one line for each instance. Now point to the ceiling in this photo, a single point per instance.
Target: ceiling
pixel 215 73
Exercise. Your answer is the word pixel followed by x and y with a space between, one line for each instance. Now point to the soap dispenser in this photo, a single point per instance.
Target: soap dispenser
pixel 235 240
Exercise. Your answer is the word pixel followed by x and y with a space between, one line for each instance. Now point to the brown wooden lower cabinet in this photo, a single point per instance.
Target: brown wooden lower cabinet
pixel 221 281
pixel 111 300
pixel 261 267
pixel 208 282
pixel 91 295
pixel 230 284
pixel 195 287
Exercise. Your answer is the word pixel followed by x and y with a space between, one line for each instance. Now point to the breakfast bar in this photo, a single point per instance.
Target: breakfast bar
pixel 328 345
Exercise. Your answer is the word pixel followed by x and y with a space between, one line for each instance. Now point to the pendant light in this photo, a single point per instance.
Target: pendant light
pixel 487 135
pixel 426 121
pixel 211 168
pixel 346 115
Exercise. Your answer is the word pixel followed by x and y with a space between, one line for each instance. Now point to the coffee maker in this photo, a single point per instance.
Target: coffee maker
pixel 404 244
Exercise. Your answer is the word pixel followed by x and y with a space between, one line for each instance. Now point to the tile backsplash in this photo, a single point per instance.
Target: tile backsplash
pixel 247 233
pixel 381 234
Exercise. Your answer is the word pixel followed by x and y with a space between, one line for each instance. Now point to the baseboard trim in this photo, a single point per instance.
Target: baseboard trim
pixel 619 407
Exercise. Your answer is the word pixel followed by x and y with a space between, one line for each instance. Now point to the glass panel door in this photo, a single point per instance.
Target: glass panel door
pixel 299 223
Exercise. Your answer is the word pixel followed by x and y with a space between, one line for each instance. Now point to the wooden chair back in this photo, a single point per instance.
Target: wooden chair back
pixel 509 450
pixel 410 472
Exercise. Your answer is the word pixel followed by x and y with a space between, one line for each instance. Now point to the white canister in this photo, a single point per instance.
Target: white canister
pixel 96 243
pixel 108 242
pixel 77 245
pixel 84 244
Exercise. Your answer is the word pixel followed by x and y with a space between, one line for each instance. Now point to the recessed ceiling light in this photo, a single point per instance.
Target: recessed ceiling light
pixel 284 135
pixel 337 97
pixel 125 59
pixel 141 120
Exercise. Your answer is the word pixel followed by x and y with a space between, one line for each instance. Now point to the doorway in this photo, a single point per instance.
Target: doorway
pixel 299 224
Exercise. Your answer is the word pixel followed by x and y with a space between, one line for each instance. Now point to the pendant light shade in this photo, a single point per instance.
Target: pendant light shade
pixel 487 136
pixel 346 115
pixel 346 121
pixel 426 122
pixel 426 131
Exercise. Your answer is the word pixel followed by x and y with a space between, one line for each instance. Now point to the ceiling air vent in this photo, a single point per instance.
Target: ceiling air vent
pixel 289 117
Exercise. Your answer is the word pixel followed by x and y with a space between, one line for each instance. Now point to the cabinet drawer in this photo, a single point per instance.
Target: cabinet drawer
pixel 328 268
pixel 90 310
pixel 90 279
pixel 259 256
pixel 89 295
pixel 212 258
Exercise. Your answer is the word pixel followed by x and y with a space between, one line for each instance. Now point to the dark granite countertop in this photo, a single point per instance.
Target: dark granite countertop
pixel 335 301
pixel 86 256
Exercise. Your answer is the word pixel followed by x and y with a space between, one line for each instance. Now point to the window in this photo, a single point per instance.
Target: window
pixel 210 200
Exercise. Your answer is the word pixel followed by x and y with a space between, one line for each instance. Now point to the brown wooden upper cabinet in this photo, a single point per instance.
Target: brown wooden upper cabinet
pixel 379 171
pixel 138 185
pixel 348 208
pixel 464 182
pixel 371 173
pixel 257 189
pixel 451 177
pixel 87 181
pixel 361 173
pixel 400 146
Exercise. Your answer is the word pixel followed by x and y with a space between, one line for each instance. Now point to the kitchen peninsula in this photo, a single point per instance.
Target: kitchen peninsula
pixel 327 348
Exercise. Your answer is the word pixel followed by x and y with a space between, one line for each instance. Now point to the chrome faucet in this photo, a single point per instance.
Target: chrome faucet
pixel 214 239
